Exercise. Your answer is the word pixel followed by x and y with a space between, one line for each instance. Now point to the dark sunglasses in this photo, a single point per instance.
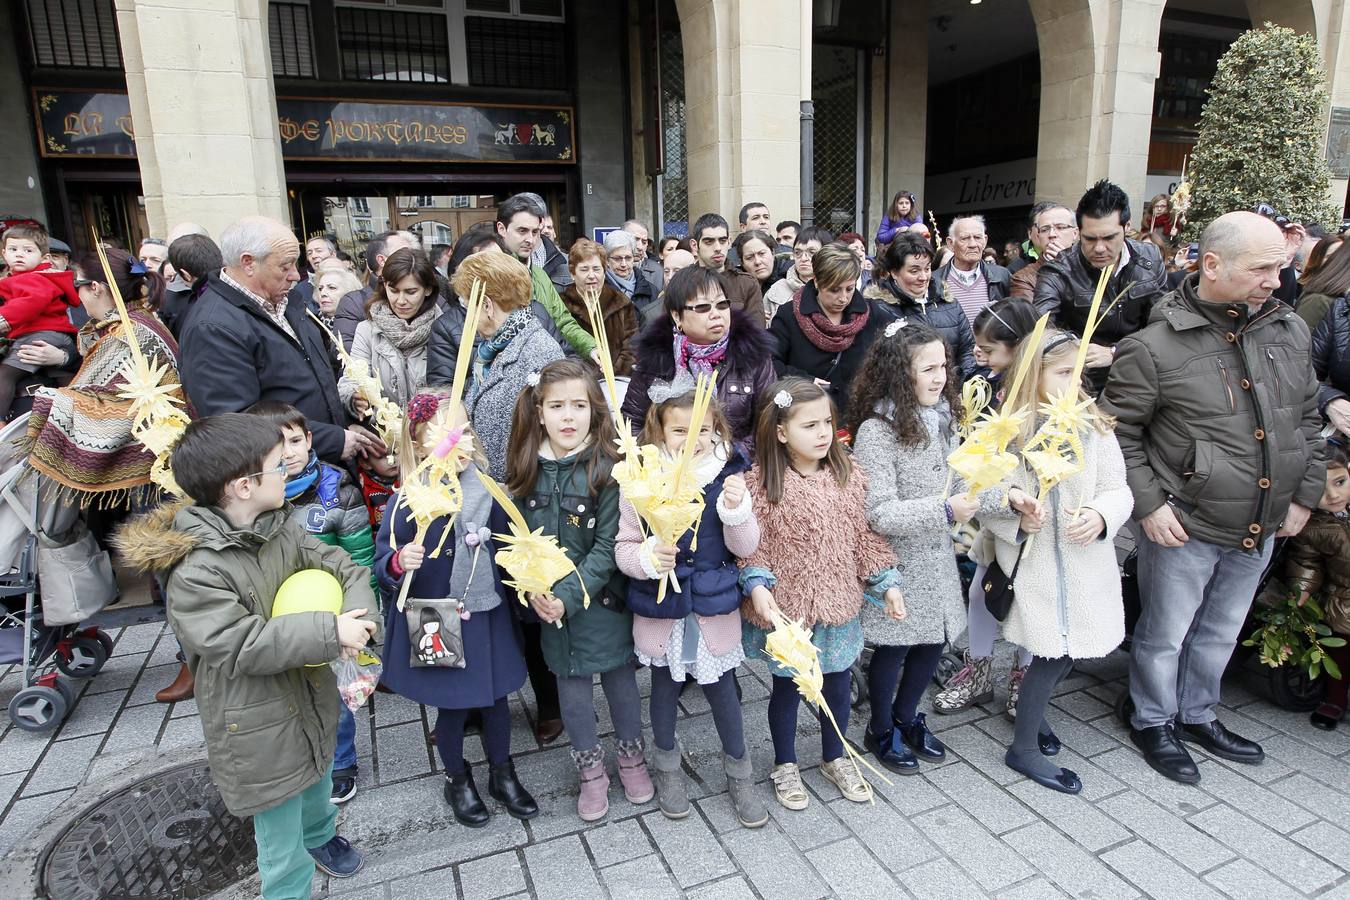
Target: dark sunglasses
pixel 704 308
pixel 82 282
pixel 1265 209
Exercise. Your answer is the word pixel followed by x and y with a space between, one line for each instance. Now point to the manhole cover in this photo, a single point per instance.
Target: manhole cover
pixel 167 836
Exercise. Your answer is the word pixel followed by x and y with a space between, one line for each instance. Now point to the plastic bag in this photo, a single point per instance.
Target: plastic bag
pixel 357 678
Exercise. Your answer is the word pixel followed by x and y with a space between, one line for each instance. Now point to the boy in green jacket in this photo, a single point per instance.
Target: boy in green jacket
pixel 325 503
pixel 264 690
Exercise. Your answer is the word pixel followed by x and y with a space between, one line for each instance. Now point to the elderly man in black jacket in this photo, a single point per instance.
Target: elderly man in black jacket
pixel 1065 284
pixel 244 342
pixel 967 278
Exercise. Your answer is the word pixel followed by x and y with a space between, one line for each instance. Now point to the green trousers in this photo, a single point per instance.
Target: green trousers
pixel 285 834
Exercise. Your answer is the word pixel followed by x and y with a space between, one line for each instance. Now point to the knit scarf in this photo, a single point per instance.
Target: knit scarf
pixel 515 323
pixel 699 359
pixel 826 335
pixel 625 285
pixel 305 480
pixel 403 334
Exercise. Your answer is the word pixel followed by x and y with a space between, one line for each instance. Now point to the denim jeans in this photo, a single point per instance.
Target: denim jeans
pixel 344 757
pixel 287 832
pixel 1195 599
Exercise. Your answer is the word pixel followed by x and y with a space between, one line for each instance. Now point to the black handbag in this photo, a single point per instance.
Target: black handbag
pixel 998 588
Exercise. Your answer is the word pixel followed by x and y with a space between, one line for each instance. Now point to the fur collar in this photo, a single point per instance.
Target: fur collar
pixel 750 345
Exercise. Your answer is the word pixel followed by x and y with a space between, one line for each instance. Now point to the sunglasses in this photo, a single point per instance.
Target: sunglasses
pixel 82 283
pixel 704 308
pixel 1265 209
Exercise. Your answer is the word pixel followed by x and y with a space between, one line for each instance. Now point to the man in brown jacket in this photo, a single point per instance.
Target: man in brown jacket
pixel 711 239
pixel 1053 228
pixel 1216 407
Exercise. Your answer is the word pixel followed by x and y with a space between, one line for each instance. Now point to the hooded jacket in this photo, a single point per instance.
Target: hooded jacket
pixel 1216 413
pixel 264 691
pixel 943 314
pixel 746 371
pixel 37 300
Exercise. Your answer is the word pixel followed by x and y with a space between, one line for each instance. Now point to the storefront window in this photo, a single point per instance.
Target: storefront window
pixel 393 45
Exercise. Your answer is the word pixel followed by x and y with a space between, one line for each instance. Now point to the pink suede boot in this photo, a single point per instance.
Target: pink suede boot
pixel 637 784
pixel 593 802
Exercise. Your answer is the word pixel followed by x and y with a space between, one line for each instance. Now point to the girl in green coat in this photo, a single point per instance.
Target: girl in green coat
pixel 558 468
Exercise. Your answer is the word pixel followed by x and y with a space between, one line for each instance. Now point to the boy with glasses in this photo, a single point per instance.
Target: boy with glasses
pixel 264 689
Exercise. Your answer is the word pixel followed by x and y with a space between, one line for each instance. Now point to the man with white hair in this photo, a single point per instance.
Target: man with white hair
pixel 647 265
pixel 621 272
pixel 967 278
pixel 244 342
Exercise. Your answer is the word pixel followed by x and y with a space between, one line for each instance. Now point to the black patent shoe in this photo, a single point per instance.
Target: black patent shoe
pixel 1048 743
pixel 1065 781
pixel 462 795
pixel 1217 739
pixel 891 752
pixel 506 789
pixel 922 741
pixel 1165 754
pixel 1327 716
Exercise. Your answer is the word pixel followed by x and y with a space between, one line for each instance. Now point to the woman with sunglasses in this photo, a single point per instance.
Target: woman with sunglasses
pixel 701 334
pixel 824 332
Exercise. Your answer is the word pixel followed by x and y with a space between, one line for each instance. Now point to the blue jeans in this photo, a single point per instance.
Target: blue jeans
pixel 287 832
pixel 344 757
pixel 1195 599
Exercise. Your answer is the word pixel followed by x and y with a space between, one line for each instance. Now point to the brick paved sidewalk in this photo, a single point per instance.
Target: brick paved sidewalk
pixel 969 827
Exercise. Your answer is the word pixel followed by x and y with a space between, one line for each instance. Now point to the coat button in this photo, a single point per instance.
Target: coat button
pixel 1254 528
pixel 290 708
pixel 581 507
pixel 232 728
pixel 1232 313
pixel 1230 338
pixel 1246 385
pixel 1264 484
pixel 1248 543
pixel 1259 434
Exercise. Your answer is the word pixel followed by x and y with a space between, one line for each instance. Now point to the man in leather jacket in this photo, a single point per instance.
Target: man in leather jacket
pixel 1065 285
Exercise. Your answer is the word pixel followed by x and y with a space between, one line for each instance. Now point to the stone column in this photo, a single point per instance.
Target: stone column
pixel 741 105
pixel 1099 62
pixel 204 111
pixel 899 114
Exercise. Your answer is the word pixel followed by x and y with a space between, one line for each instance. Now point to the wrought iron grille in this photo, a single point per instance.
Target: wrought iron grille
pixel 391 45
pixel 674 211
pixel 80 34
pixel 290 38
pixel 835 84
pixel 516 52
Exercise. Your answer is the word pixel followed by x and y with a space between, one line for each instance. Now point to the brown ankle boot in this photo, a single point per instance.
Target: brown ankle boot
pixel 181 689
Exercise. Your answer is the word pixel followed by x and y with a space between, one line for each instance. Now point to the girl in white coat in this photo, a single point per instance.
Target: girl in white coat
pixel 1067 602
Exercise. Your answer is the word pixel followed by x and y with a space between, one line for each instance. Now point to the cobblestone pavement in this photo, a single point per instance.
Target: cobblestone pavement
pixel 969 827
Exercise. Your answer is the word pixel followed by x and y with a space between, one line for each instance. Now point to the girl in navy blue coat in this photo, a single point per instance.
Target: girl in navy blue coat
pixel 695 631
pixel 462 652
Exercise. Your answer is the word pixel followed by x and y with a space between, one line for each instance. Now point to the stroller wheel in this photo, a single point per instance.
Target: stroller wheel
pixel 66 691
pixel 857 685
pixel 84 657
pixel 107 642
pixel 37 708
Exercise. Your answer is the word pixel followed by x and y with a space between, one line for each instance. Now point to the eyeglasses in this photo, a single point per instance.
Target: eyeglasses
pixel 1058 228
pixel 802 252
pixel 1265 209
pixel 704 308
pixel 279 469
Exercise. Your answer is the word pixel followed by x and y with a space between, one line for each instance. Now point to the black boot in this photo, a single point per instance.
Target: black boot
pixel 506 789
pixel 462 795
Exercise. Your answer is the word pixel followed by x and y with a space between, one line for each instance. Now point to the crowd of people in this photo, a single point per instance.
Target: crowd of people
pixel 823 461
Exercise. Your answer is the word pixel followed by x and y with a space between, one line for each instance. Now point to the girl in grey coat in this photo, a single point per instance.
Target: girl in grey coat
pixel 902 444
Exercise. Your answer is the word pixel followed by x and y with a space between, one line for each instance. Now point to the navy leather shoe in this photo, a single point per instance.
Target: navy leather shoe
pixel 338 858
pixel 1048 743
pixel 891 752
pixel 922 741
pixel 1066 781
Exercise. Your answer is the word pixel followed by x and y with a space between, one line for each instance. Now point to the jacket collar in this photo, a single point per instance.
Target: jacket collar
pixel 1183 310
pixel 294 311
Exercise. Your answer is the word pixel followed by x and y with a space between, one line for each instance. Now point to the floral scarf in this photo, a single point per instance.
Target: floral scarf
pixel 699 359
pixel 826 335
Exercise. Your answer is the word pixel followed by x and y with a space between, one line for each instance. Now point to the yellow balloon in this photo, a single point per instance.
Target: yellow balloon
pixel 309 590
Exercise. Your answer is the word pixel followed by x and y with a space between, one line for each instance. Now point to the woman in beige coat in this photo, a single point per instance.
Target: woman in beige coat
pixel 1067 602
pixel 393 338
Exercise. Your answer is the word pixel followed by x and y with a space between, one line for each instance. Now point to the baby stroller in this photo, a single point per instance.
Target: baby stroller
pixel 46 642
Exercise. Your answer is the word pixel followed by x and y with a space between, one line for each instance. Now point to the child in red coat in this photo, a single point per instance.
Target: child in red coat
pixel 34 304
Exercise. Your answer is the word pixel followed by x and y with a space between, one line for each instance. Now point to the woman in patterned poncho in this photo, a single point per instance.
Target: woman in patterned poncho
pixel 79 437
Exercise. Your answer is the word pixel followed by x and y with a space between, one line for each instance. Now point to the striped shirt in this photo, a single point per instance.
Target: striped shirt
pixel 970 289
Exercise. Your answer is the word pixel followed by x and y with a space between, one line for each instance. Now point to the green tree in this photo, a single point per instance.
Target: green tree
pixel 1263 131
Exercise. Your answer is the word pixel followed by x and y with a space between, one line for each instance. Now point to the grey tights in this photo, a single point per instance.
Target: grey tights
pixel 576 697
pixel 1037 685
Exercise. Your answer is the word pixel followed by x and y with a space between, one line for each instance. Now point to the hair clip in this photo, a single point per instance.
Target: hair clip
pixel 782 399
pixel 422 407
pixel 137 267
pixel 895 326
pixel 532 379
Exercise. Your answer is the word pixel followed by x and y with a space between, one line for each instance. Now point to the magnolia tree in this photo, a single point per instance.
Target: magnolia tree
pixel 1262 132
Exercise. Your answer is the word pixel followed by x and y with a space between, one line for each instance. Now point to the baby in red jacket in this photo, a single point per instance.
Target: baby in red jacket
pixel 34 308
